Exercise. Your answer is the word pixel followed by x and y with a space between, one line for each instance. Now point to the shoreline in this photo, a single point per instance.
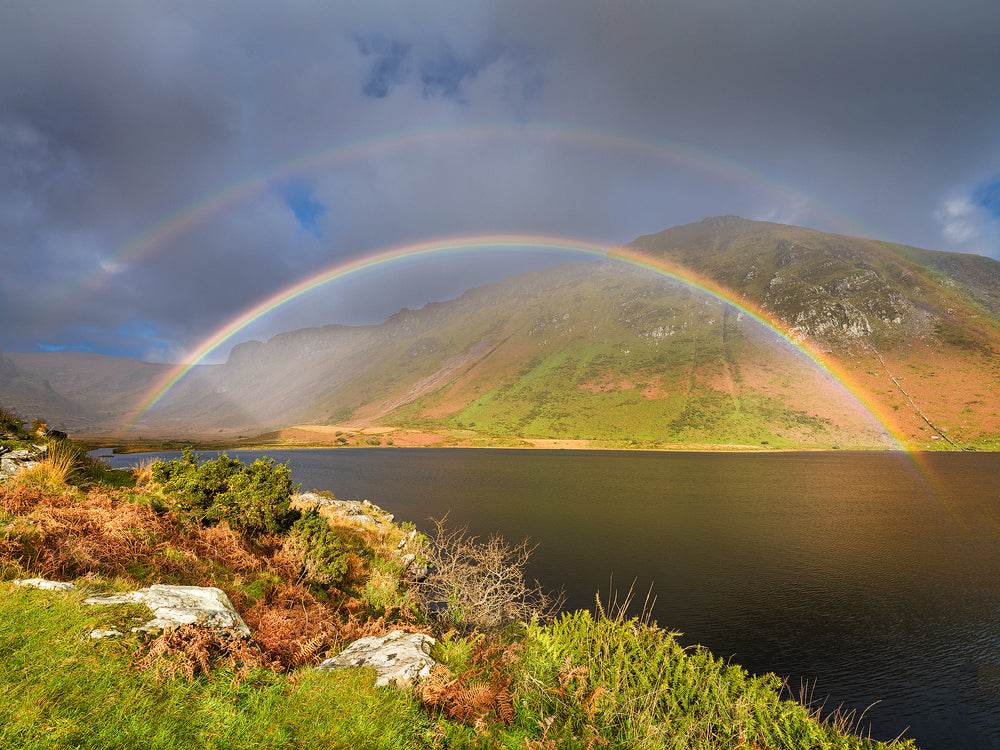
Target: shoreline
pixel 348 436
pixel 157 446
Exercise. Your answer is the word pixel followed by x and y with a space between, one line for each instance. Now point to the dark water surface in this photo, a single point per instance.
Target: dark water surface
pixel 875 576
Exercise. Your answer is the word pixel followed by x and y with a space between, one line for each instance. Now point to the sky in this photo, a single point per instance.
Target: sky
pixel 167 165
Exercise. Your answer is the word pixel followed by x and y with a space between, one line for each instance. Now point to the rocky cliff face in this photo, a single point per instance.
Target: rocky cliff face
pixel 833 289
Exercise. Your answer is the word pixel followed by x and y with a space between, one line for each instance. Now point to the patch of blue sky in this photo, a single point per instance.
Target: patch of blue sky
pixel 390 66
pixel 135 340
pixel 65 347
pixel 987 196
pixel 300 199
pixel 142 329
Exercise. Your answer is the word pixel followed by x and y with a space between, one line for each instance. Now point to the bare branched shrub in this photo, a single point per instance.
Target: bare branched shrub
pixel 479 585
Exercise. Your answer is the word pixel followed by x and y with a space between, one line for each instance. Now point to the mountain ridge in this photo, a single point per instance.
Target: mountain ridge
pixel 603 351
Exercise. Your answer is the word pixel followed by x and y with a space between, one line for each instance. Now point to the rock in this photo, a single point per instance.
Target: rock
pixel 407 538
pixel 415 571
pixel 397 657
pixel 364 513
pixel 13 461
pixel 98 634
pixel 45 584
pixel 180 605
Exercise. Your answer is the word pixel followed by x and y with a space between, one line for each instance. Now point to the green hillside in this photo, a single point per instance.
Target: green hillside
pixel 614 354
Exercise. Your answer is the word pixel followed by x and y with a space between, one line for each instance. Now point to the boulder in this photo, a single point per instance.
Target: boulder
pixel 180 605
pixel 397 657
pixel 12 461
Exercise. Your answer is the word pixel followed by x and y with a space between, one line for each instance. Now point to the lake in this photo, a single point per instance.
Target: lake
pixel 874 576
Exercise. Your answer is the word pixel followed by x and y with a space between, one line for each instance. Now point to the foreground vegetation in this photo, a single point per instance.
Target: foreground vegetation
pixel 509 673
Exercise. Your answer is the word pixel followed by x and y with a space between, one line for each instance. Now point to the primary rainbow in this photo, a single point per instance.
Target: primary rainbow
pixel 529 243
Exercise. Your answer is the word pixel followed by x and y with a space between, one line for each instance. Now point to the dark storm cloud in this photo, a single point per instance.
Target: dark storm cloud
pixel 117 118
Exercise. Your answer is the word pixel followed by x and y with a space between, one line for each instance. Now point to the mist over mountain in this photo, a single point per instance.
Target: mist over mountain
pixel 608 351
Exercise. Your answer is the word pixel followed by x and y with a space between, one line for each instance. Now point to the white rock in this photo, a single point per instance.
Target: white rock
pixel 397 657
pixel 112 633
pixel 407 538
pixel 44 584
pixel 180 605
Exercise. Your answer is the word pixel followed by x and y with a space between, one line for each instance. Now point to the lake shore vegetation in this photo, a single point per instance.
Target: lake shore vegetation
pixel 511 673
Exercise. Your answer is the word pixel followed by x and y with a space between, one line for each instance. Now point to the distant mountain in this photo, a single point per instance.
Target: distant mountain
pixel 31 396
pixel 102 389
pixel 608 351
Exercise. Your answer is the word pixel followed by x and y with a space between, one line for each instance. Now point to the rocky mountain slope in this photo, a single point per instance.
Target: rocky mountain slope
pixel 608 351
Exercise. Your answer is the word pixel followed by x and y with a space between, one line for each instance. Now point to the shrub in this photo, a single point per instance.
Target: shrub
pixel 476 585
pixel 9 421
pixel 253 499
pixel 316 544
pixel 257 500
pixel 193 487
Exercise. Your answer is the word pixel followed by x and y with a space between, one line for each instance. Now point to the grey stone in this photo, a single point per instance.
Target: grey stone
pixel 13 461
pixel 364 513
pixel 111 633
pixel 180 605
pixel 396 657
pixel 407 538
pixel 45 584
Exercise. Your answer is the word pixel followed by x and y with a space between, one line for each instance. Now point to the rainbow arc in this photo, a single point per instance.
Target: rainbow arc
pixel 527 243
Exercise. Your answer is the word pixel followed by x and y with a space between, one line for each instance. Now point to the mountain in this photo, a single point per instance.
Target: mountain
pixel 610 351
pixel 86 392
pixel 31 395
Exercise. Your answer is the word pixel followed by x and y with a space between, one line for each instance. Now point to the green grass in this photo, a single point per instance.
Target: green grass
pixel 60 689
pixel 599 680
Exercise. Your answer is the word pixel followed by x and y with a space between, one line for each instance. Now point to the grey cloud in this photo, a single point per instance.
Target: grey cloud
pixel 116 118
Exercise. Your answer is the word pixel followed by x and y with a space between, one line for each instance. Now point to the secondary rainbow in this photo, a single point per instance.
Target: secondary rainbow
pixel 527 243
pixel 175 225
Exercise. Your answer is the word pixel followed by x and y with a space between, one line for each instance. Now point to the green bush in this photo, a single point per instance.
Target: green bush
pixel 324 559
pixel 253 499
pixel 257 499
pixel 9 421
